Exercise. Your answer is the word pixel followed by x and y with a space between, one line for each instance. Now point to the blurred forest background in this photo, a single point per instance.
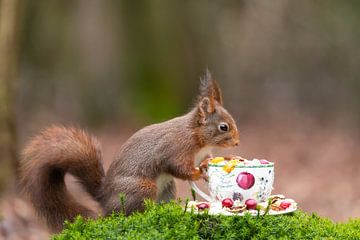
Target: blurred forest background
pixel 289 71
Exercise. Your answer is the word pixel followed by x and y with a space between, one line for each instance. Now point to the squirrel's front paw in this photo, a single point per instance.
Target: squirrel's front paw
pixel 196 174
pixel 204 164
pixel 204 167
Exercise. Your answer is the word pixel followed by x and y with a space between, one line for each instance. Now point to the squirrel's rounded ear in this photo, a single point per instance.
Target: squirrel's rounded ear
pixel 205 107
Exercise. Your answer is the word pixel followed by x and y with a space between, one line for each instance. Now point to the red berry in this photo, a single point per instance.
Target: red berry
pixel 251 203
pixel 227 202
pixel 285 204
pixel 202 206
pixel 264 161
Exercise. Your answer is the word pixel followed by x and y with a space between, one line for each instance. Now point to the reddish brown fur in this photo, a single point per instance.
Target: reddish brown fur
pixel 51 154
pixel 142 170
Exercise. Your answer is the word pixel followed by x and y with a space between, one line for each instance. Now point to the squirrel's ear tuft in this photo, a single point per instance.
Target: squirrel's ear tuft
pixel 217 92
pixel 209 88
pixel 204 108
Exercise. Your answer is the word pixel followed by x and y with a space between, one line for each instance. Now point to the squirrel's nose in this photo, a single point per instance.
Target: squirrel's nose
pixel 236 143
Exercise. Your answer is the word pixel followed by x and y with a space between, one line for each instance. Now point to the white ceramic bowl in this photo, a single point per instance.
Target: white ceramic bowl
pixel 246 180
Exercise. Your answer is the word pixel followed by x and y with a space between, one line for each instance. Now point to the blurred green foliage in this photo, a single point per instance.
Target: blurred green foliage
pixel 98 61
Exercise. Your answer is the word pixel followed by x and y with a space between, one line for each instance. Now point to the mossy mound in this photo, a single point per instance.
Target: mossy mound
pixel 169 221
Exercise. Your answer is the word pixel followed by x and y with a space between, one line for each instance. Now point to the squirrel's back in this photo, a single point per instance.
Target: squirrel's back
pixel 46 159
pixel 150 146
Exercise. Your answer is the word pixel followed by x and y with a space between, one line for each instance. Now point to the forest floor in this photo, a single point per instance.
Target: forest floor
pixel 316 164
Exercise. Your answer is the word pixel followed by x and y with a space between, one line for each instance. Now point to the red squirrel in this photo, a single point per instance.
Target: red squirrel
pixel 143 169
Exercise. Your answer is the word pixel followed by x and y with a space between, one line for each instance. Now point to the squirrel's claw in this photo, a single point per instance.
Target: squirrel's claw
pixel 204 164
pixel 204 167
pixel 205 177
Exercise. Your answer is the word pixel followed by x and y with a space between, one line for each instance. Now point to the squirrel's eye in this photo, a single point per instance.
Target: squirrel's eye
pixel 224 127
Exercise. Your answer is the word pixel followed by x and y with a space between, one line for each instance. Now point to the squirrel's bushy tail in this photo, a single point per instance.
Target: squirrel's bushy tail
pixel 46 159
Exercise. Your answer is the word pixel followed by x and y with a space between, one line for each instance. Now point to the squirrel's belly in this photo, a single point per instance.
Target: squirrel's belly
pixel 202 154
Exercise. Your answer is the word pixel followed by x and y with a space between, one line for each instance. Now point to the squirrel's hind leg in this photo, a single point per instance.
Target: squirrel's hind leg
pixel 168 193
pixel 135 191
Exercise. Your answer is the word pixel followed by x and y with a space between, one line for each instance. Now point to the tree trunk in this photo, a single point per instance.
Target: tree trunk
pixel 9 13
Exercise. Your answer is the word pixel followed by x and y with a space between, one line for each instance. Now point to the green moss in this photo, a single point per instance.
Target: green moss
pixel 169 221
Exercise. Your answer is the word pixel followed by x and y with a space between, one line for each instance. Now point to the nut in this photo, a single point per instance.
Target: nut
pixel 236 209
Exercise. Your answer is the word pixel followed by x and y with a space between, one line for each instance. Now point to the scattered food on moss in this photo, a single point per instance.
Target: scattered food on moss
pixel 169 221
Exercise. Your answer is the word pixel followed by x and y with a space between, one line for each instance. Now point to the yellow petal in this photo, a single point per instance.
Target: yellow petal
pixel 217 160
pixel 230 165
